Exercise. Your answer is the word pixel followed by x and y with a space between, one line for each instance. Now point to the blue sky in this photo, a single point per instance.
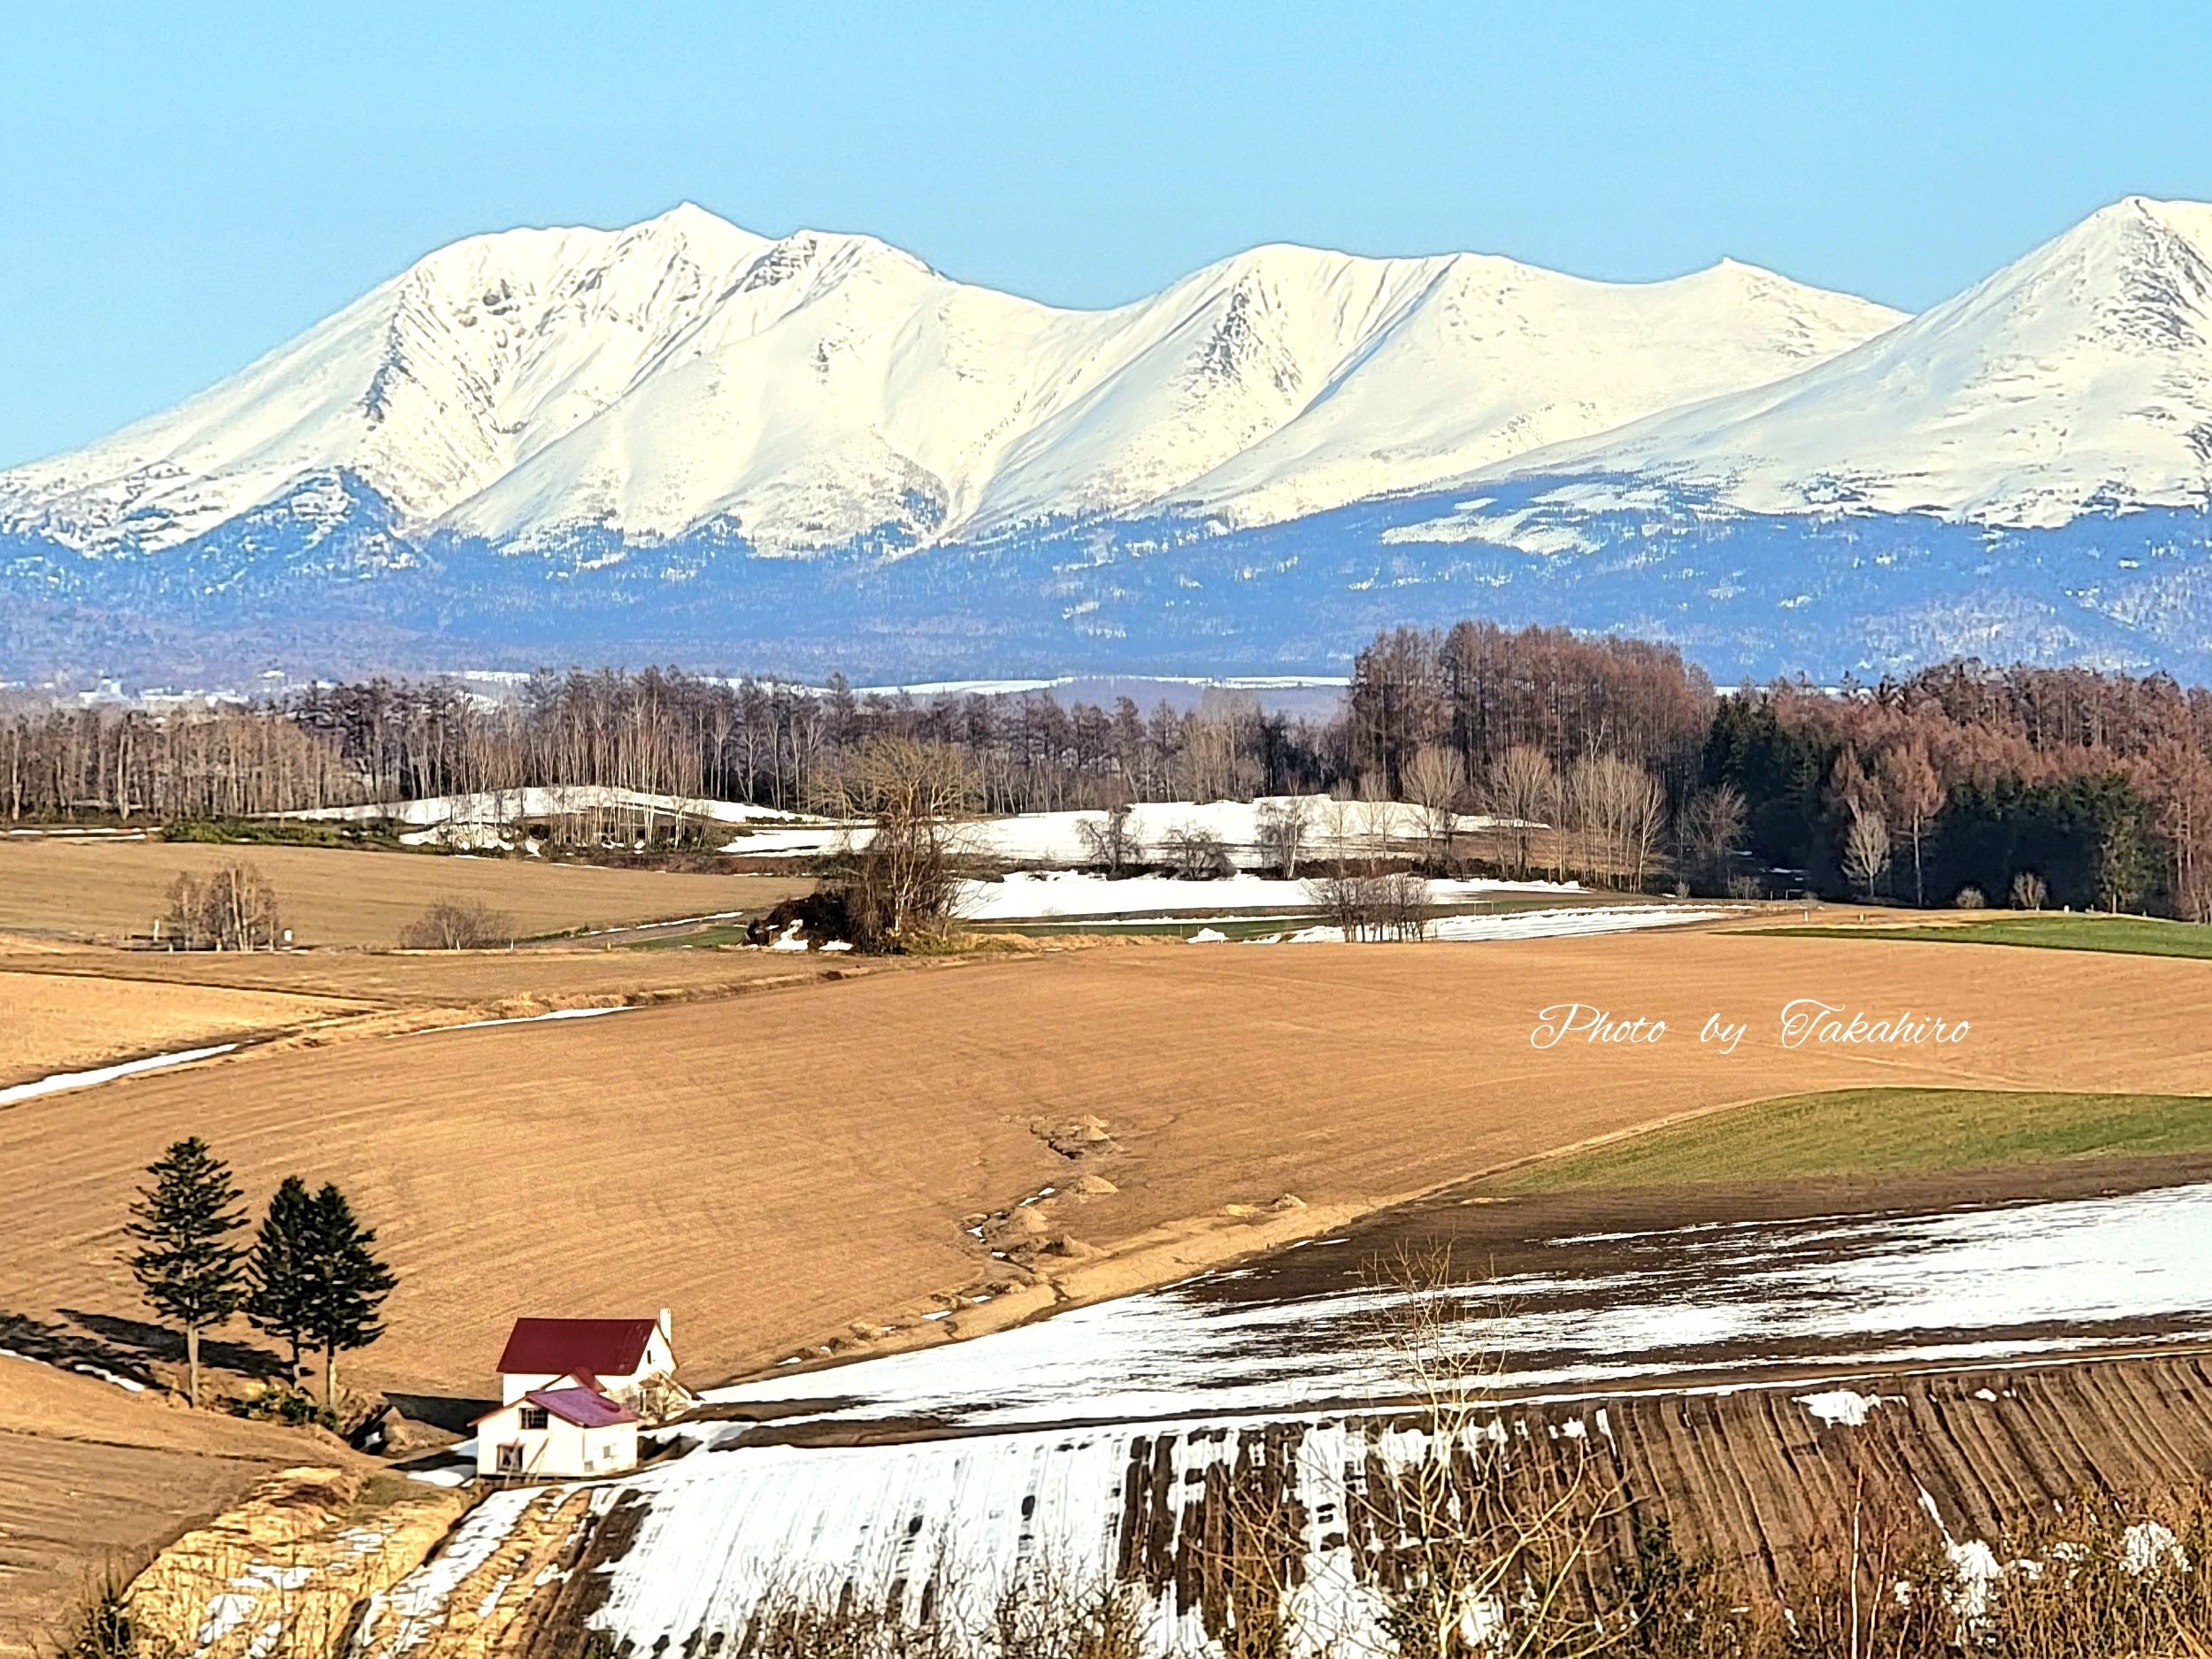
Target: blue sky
pixel 179 191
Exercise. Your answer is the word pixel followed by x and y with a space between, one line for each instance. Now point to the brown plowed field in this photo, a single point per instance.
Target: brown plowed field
pixel 61 1023
pixel 1754 1480
pixel 467 978
pixel 110 889
pixel 775 1166
pixel 93 1477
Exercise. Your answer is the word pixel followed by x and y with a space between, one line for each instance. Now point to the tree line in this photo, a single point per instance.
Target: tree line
pixel 1967 783
pixel 311 1277
pixel 2014 785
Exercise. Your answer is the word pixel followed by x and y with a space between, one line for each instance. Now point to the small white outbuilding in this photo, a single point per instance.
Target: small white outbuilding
pixel 568 1432
pixel 572 1394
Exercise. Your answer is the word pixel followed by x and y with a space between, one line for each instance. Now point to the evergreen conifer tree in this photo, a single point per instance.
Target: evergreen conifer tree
pixel 278 1271
pixel 346 1284
pixel 185 1268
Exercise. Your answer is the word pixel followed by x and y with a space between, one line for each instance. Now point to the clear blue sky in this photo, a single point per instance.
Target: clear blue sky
pixel 181 190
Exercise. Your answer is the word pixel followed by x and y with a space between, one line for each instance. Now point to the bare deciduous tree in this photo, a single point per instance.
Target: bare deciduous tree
pixel 1712 827
pixel 1912 794
pixel 2029 891
pixel 1865 850
pixel 1619 813
pixel 1282 826
pixel 1197 853
pixel 459 924
pixel 1436 784
pixel 905 801
pixel 1108 839
pixel 1522 792
pixel 234 909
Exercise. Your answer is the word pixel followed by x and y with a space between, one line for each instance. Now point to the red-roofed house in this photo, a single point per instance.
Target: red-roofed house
pixel 568 1431
pixel 573 1392
pixel 631 1361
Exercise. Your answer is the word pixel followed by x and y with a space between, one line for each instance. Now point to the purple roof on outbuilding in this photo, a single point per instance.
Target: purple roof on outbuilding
pixel 586 1407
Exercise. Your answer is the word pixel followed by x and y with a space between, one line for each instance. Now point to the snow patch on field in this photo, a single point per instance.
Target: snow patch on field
pixel 521 1019
pixel 58 1081
pixel 1843 1406
pixel 490 806
pixel 1043 895
pixel 1333 828
pixel 1548 924
pixel 1974 1284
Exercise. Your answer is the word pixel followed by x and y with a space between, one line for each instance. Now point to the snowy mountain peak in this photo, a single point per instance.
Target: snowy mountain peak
pixel 811 390
pixel 2077 379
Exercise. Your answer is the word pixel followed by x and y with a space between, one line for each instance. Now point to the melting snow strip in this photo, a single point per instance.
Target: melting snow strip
pixel 62 1080
pixel 521 1019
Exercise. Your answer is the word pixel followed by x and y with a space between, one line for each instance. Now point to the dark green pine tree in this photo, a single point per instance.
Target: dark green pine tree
pixel 185 1268
pixel 346 1285
pixel 277 1271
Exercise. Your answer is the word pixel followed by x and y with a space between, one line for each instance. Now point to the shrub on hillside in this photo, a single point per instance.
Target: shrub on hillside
pixel 459 924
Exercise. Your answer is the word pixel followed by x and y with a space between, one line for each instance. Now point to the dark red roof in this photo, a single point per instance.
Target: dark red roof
pixel 586 1407
pixel 561 1347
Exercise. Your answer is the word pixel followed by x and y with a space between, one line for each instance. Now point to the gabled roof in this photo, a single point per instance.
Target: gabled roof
pixel 563 1348
pixel 581 1404
pixel 586 1407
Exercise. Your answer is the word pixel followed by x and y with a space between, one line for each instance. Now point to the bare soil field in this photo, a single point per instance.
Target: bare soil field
pixel 778 1167
pixel 1755 1482
pixel 92 1475
pixel 58 1022
pixel 110 889
pixel 555 976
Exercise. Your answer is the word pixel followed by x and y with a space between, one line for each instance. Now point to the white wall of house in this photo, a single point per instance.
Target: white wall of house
pixel 559 1451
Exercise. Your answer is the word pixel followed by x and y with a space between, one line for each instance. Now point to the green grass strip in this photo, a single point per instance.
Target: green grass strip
pixel 1881 1132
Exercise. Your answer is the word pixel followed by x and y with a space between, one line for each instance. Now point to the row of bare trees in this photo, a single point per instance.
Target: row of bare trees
pixel 1478 690
pixel 233 907
pixel 1914 788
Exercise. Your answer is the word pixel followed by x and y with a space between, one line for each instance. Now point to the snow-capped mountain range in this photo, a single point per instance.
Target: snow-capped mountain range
pixel 812 390
pixel 681 438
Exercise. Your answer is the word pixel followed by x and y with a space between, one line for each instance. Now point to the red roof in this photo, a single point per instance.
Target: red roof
pixel 563 1348
pixel 586 1407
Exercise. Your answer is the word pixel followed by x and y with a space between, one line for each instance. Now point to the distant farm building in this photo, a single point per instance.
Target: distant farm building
pixel 572 1395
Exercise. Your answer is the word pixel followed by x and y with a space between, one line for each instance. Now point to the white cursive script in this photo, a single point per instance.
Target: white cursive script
pixel 1822 1023
pixel 1562 1020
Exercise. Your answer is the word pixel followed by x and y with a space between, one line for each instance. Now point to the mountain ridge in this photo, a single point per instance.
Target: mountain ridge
pixel 813 387
pixel 681 441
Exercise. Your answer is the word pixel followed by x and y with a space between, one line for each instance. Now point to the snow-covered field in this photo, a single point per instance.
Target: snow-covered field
pixel 1069 1408
pixel 1954 1286
pixel 1332 827
pixel 511 806
pixel 1041 896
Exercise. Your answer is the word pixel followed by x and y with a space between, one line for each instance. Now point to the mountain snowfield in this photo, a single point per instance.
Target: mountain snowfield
pixel 682 440
pixel 811 391
pixel 2078 378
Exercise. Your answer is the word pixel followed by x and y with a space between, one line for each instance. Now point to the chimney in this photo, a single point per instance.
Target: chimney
pixel 668 1327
